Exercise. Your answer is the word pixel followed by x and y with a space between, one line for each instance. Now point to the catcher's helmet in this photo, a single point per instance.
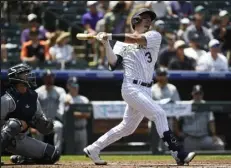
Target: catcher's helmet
pixel 15 77
pixel 136 19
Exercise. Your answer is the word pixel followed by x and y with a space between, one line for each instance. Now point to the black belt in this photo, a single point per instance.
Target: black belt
pixel 142 83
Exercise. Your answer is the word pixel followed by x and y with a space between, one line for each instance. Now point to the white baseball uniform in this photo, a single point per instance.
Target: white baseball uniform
pixel 138 63
pixel 52 103
pixel 207 63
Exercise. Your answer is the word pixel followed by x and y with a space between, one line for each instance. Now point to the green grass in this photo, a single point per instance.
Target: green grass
pixel 138 157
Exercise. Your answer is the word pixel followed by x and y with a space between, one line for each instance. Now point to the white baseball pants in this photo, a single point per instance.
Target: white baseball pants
pixel 139 105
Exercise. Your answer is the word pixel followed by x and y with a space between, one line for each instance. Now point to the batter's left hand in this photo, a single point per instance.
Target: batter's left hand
pixel 102 37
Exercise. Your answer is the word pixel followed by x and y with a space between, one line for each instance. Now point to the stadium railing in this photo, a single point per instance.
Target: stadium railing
pixel 118 74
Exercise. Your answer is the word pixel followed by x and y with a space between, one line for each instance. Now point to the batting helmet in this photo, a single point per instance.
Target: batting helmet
pixel 14 75
pixel 136 18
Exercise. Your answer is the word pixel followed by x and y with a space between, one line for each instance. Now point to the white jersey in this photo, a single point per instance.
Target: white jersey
pixel 77 99
pixel 207 63
pixel 139 61
pixel 52 101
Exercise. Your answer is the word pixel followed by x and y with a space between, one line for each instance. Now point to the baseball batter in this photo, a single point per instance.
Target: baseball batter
pixel 138 54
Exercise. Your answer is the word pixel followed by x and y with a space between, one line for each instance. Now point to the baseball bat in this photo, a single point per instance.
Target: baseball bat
pixel 82 36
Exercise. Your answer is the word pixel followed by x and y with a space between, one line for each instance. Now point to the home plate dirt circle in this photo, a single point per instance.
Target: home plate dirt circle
pixel 129 164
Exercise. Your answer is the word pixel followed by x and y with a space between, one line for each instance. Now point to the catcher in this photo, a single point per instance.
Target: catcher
pixel 21 110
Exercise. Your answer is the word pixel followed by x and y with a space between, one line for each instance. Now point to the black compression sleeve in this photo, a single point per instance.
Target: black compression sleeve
pixel 118 37
pixel 118 62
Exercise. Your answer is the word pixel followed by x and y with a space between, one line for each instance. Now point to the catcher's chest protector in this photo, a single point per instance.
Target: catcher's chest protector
pixel 26 104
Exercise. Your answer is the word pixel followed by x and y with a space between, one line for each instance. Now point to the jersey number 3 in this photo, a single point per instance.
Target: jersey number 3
pixel 149 57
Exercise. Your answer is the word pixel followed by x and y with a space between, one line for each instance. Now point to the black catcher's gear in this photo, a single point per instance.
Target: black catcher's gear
pixel 44 126
pixel 15 75
pixel 9 131
pixel 51 155
pixel 26 104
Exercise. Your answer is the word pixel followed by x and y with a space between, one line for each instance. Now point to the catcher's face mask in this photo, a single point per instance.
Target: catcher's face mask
pixel 28 78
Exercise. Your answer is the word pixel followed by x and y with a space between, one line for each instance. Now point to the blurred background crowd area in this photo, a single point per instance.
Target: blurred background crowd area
pixel 196 35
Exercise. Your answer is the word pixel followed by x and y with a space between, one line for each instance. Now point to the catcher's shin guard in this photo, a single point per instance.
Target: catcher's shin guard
pixel 11 128
pixel 33 151
pixel 50 156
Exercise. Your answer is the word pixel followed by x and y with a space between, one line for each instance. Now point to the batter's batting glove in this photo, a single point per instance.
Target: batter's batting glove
pixel 102 37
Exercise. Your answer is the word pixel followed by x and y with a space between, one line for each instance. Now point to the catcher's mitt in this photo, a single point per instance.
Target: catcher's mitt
pixel 42 124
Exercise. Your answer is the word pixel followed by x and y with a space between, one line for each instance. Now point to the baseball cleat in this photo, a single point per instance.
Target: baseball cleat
pixel 18 159
pixel 188 158
pixel 94 156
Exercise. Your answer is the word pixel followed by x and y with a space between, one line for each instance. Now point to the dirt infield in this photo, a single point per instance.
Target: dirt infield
pixel 130 164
